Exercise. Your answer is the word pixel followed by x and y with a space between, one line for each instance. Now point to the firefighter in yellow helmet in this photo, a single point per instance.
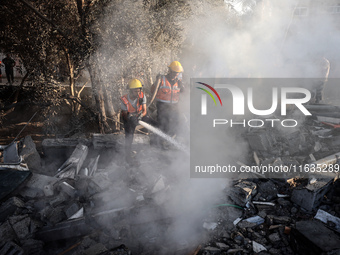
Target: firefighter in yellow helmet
pixel 133 109
pixel 168 88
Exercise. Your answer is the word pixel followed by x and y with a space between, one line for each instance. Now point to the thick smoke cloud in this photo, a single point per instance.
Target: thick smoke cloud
pixel 266 40
pixel 269 42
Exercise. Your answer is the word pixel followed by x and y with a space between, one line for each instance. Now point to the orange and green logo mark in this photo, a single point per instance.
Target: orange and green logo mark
pixel 209 93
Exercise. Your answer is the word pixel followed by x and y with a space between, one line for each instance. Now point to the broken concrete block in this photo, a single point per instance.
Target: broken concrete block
pixel 68 189
pixel 245 224
pixel 209 225
pixel 256 219
pixel 64 230
pixel 49 190
pixel 328 119
pixel 329 160
pixel 222 246
pixel 31 193
pixel 30 154
pixel 95 249
pixel 87 242
pixel 21 225
pixel 140 197
pixel 317 146
pixel 211 250
pixel 35 187
pixel 251 222
pixel 60 198
pixel 159 185
pixel 268 190
pixel 35 225
pixel 279 219
pixel 275 237
pixel 71 209
pixel 310 196
pixel 258 247
pixel 31 246
pixel 114 198
pixel 161 197
pixel 237 221
pixel 235 251
pixel 78 214
pixel 329 219
pixel 84 172
pixel 99 182
pixel 57 215
pixel 62 147
pixel 242 192
pixel 93 166
pixel 115 141
pixel 40 180
pixel 74 162
pixel 45 212
pixel 284 202
pixel 274 251
pixel 9 207
pixel 312 237
pixel 81 186
pixel 6 232
pixel 11 248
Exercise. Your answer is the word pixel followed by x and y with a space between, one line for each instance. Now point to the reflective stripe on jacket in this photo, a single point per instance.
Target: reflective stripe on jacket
pixel 129 106
pixel 167 93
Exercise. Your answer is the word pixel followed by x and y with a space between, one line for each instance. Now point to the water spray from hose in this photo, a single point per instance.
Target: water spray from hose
pixel 164 136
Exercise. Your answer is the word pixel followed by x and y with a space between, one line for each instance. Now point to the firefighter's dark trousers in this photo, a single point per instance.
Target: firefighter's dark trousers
pixel 168 117
pixel 130 128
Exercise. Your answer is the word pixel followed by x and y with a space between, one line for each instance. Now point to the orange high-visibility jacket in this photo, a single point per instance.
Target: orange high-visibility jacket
pixel 167 93
pixel 129 106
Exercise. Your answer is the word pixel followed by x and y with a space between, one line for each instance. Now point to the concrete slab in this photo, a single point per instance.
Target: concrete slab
pixel 312 237
pixel 9 207
pixel 310 196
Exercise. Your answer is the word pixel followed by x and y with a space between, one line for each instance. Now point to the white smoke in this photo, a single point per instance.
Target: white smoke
pixel 250 40
pixel 269 42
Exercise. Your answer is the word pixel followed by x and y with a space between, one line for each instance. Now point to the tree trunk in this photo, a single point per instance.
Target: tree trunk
pixel 70 68
pixel 98 93
pixel 110 111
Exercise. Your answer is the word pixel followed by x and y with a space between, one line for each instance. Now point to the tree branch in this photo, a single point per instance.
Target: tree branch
pixel 44 18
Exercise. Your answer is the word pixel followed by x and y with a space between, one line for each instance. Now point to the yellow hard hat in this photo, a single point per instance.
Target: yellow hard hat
pixel 176 67
pixel 135 84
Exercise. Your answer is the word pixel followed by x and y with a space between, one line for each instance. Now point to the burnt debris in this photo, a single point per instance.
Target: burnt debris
pixel 80 197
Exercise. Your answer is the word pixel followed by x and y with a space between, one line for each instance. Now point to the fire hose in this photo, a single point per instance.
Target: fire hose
pixel 155 92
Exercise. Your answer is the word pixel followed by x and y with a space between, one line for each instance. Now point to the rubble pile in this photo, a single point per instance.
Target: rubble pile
pixel 317 138
pixel 296 212
pixel 77 203
pixel 77 207
pixel 259 217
